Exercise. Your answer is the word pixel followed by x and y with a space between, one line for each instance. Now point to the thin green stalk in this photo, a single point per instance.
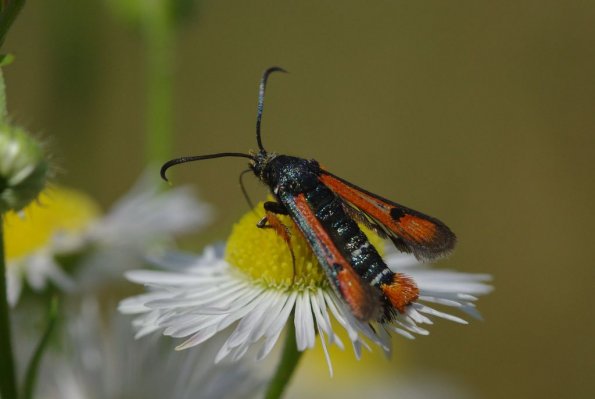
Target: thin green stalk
pixel 8 386
pixel 33 367
pixel 287 365
pixel 159 36
pixel 8 13
pixel 3 111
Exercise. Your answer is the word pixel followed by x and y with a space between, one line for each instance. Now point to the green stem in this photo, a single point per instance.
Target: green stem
pixel 31 374
pixel 3 111
pixel 287 365
pixel 8 386
pixel 159 36
pixel 9 9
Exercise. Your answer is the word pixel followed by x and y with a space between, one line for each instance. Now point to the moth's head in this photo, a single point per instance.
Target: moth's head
pixel 261 166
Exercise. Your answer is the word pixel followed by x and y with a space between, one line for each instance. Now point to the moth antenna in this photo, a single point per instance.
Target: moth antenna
pixel 180 160
pixel 244 191
pixel 261 90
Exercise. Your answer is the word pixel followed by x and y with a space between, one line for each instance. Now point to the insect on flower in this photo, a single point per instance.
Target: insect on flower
pixel 327 209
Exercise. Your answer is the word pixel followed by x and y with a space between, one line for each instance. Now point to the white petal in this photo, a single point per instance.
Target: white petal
pixel 269 343
pixel 197 338
pixel 278 324
pixel 251 321
pixel 14 284
pixel 205 296
pixel 403 333
pixel 325 350
pixel 434 312
pixel 304 323
pixel 162 278
pixel 322 320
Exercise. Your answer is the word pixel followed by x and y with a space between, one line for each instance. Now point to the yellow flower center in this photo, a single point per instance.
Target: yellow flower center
pixel 264 256
pixel 58 210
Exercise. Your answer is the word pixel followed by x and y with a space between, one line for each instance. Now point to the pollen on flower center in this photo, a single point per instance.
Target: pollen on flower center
pixel 58 210
pixel 265 258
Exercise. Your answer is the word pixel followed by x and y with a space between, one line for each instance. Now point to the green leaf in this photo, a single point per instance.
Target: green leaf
pixel 6 59
pixel 8 13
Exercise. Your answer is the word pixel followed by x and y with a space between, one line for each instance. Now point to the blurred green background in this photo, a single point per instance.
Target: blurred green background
pixel 480 113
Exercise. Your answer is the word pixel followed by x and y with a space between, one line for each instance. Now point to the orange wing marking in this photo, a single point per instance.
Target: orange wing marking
pixel 401 292
pixel 405 225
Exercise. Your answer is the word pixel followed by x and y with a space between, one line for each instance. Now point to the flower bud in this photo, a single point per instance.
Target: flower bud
pixel 23 168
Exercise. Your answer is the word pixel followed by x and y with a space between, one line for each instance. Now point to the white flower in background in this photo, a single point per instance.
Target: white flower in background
pixel 250 287
pixel 64 222
pixel 149 214
pixel 104 361
pixel 144 221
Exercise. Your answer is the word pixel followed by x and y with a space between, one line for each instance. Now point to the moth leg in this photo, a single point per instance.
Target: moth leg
pixel 271 221
pixel 275 207
pixel 271 209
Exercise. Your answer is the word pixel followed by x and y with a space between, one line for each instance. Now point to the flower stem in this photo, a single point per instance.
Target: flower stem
pixel 159 32
pixel 8 13
pixel 8 386
pixel 31 375
pixel 287 365
pixel 3 111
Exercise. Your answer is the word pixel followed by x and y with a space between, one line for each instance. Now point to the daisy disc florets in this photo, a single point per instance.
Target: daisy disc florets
pixel 250 286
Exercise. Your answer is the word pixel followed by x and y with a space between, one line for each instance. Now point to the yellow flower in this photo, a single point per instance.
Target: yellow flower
pixel 52 225
pixel 58 211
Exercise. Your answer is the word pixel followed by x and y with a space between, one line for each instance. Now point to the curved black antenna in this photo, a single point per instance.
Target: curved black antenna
pixel 261 90
pixel 177 161
pixel 244 191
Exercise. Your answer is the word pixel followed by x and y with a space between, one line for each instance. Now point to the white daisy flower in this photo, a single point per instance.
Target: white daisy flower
pixel 65 221
pixel 145 220
pixel 104 361
pixel 149 214
pixel 250 286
